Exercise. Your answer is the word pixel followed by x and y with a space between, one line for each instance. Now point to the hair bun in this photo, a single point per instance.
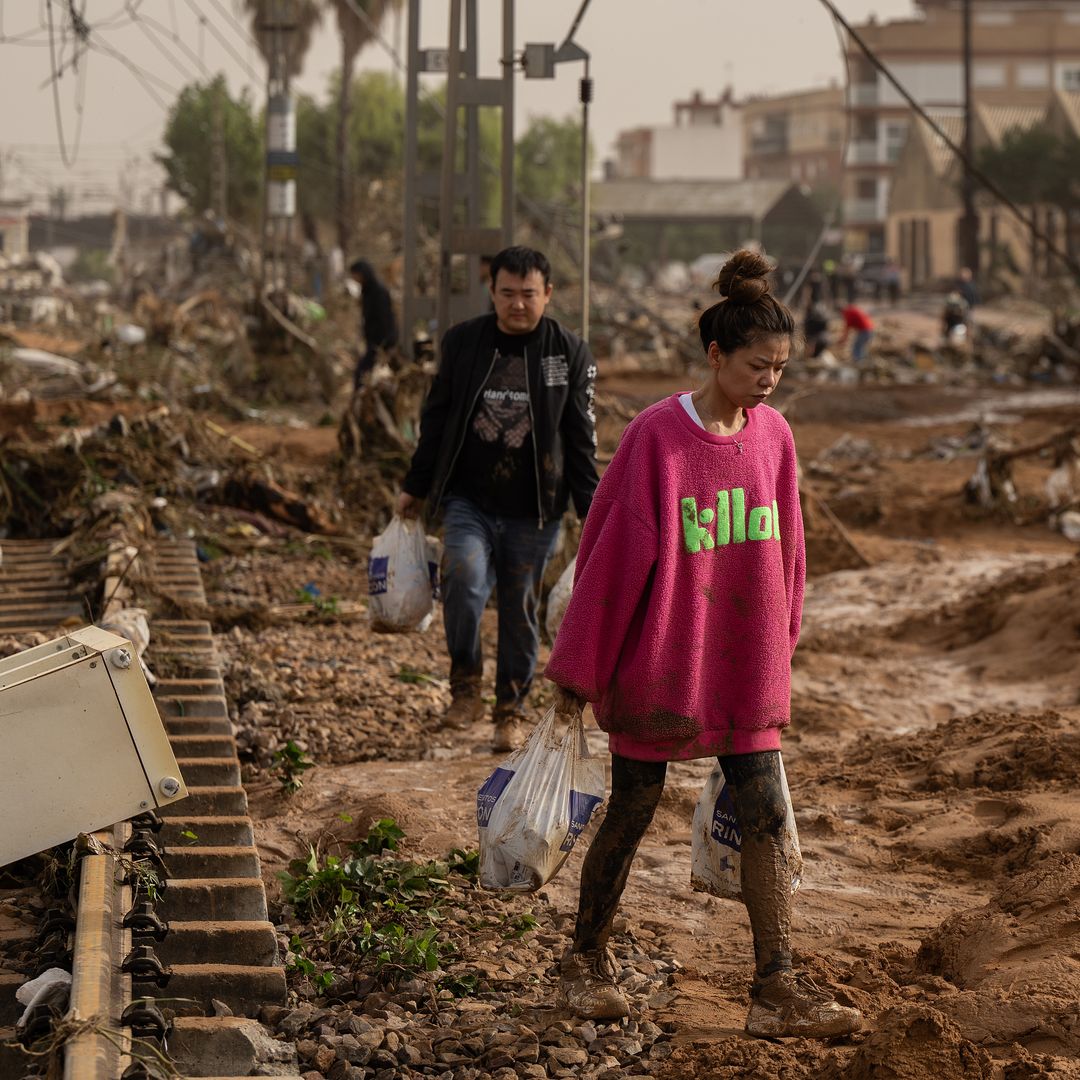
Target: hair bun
pixel 743 279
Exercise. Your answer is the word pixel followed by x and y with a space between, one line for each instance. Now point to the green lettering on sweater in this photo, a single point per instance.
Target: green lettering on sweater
pixel 694 535
pixel 760 527
pixel 723 517
pixel 733 524
pixel 738 516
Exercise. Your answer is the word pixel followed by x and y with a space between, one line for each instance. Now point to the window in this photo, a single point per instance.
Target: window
pixel 866 128
pixel 988 76
pixel 1069 77
pixel 866 188
pixel 993 18
pixel 1032 76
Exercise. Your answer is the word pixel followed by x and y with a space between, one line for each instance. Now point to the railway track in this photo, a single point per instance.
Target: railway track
pixel 197 945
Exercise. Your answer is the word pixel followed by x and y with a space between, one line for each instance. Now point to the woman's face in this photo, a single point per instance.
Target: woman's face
pixel 748 376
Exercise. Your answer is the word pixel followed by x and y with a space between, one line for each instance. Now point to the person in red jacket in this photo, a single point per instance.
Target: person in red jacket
pixel 680 630
pixel 857 320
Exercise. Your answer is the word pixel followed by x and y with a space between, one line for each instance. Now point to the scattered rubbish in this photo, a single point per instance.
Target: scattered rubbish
pixel 51 987
pixel 1069 524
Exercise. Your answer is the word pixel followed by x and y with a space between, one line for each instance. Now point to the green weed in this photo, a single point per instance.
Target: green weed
pixel 291 763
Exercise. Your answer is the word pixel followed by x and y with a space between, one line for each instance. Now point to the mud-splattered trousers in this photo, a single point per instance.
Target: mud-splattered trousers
pixel 484 552
pixel 636 787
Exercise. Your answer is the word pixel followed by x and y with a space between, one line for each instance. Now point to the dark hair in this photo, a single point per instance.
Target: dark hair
pixel 748 310
pixel 363 269
pixel 520 261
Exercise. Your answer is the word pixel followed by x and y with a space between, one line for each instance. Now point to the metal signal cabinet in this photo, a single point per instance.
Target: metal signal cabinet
pixel 82 745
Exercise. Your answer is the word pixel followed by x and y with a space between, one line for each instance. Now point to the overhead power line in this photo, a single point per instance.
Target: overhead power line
pixel 975 171
pixel 224 42
pixel 577 21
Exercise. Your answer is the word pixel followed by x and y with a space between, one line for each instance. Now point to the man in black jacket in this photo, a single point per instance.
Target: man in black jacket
pixel 507 439
pixel 377 309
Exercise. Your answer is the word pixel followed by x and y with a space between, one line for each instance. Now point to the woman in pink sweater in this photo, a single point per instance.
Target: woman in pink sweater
pixel 684 617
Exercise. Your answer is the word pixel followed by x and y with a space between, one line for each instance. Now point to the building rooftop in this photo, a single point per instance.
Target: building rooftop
pixel 689 199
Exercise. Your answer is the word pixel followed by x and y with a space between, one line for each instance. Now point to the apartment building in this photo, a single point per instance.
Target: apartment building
pixel 797 137
pixel 704 143
pixel 1024 51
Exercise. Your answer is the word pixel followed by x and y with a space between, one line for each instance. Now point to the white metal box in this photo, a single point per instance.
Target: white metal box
pixel 83 746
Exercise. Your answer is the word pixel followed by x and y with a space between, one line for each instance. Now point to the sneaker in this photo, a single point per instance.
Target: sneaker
pixel 587 985
pixel 464 711
pixel 785 1004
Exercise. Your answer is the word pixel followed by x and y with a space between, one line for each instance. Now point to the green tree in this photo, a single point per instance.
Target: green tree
pixel 548 160
pixel 375 140
pixel 302 15
pixel 188 132
pixel 358 22
pixel 1010 166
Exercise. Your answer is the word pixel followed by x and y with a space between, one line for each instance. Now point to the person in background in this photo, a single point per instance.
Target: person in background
pixel 858 320
pixel 311 255
pixel 379 325
pixel 954 318
pixel 507 439
pixel 685 613
pixel 816 329
pixel 967 288
pixel 893 280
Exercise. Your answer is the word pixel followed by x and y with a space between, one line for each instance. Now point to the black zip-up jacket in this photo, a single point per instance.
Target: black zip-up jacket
pixel 561 375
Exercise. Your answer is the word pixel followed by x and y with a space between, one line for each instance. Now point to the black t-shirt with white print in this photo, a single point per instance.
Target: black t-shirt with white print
pixel 496 468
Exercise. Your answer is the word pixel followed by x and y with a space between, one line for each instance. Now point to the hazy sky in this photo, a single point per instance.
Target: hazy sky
pixel 645 55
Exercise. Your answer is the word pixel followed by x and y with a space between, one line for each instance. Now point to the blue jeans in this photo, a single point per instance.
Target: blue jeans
pixel 484 552
pixel 861 345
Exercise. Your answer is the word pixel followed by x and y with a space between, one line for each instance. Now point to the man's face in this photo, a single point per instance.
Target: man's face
pixel 519 301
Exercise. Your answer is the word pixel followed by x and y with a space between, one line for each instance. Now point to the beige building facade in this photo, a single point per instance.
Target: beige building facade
pixel 1024 53
pixel 925 207
pixel 797 137
pixel 704 143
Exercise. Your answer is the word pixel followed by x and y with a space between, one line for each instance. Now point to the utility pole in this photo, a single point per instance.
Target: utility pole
pixel 969 222
pixel 279 207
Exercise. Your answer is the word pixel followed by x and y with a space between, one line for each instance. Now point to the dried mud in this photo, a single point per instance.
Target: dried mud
pixel 933 759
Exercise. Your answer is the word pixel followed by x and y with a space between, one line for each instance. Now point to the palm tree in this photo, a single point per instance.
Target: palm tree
pixel 304 15
pixel 358 21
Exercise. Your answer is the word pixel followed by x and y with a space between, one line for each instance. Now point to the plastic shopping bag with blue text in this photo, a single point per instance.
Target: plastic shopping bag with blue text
pixel 716 846
pixel 403 578
pixel 532 808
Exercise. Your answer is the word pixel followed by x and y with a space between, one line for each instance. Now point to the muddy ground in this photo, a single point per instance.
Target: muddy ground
pixel 933 760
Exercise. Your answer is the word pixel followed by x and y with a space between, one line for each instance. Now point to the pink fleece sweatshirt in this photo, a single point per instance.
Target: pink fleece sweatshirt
pixel 688 590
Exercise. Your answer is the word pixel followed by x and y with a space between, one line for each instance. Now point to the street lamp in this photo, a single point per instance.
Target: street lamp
pixel 539 62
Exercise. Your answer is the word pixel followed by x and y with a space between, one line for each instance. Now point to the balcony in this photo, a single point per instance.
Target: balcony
pixel 863 95
pixel 769 145
pixel 864 211
pixel 864 152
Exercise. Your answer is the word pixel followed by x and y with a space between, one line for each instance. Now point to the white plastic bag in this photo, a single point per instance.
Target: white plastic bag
pixel 559 600
pixel 533 807
pixel 402 581
pixel 715 858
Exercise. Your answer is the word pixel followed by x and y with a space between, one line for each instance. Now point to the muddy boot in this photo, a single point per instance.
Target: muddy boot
pixel 785 1004
pixel 587 985
pixel 465 710
pixel 508 730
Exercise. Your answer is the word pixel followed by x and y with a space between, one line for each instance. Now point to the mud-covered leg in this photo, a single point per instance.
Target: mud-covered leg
pixel 782 1003
pixel 754 782
pixel 587 971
